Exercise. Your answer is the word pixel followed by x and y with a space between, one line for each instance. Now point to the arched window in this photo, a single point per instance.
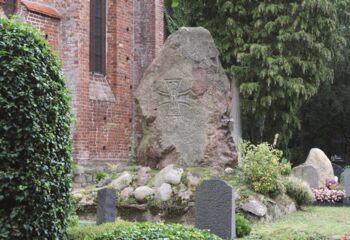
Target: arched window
pixel 98 36
pixel 9 6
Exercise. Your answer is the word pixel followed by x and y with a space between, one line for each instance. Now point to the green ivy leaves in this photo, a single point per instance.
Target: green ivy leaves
pixel 35 144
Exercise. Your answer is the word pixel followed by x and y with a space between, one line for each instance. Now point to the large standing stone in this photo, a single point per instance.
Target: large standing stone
pixel 323 165
pixel 185 104
pixel 307 173
pixel 106 206
pixel 347 185
pixel 215 208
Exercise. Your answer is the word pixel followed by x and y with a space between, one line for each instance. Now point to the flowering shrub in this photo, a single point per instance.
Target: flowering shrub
pixel 331 184
pixel 263 166
pixel 326 195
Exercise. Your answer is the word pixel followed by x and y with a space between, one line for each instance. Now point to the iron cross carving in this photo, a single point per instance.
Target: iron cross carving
pixel 174 97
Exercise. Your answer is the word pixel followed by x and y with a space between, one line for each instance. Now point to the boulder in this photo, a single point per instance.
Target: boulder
pixel 122 182
pixel 126 193
pixel 141 193
pixel 186 104
pixel 164 192
pixel 103 182
pixel 318 159
pixel 193 180
pixel 254 207
pixel 143 176
pixel 169 174
pixel 308 174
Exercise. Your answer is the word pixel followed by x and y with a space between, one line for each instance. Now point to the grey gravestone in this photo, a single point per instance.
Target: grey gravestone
pixel 347 185
pixel 106 206
pixel 307 173
pixel 215 208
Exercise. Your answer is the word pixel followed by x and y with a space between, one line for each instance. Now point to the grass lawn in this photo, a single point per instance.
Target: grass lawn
pixel 327 221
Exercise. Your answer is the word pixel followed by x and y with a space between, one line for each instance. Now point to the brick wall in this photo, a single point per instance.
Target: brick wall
pixel 148 41
pixel 48 25
pixel 102 104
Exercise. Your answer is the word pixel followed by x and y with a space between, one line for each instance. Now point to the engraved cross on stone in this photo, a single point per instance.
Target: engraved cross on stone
pixel 175 98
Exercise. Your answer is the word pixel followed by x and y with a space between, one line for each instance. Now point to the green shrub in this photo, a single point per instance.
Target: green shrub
pixel 35 144
pixel 299 191
pixel 243 227
pixel 263 166
pixel 101 175
pixel 137 231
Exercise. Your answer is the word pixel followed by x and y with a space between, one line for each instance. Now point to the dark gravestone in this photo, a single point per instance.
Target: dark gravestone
pixel 215 208
pixel 106 206
pixel 338 170
pixel 347 186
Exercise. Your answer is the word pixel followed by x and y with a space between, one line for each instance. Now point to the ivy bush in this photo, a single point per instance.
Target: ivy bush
pixel 136 231
pixel 263 167
pixel 35 145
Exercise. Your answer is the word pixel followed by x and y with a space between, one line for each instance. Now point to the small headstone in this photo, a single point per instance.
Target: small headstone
pixel 106 206
pixel 347 185
pixel 215 208
pixel 307 173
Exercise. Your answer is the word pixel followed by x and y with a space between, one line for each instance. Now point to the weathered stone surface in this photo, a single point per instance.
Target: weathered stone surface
pixel 215 208
pixel 169 174
pixel 255 207
pixel 106 208
pixel 122 182
pixel 323 165
pixel 347 182
pixel 164 192
pixel 126 193
pixel 193 180
pixel 307 173
pixel 338 170
pixel 185 104
pixel 103 182
pixel 143 176
pixel 141 193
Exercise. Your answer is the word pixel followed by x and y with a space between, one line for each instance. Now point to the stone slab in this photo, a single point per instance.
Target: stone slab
pixel 106 206
pixel 347 182
pixel 215 208
pixel 308 174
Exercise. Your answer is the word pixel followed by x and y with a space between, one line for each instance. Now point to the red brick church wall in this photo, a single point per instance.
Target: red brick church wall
pixel 104 127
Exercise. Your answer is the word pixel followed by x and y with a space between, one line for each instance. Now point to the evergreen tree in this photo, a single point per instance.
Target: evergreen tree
pixel 279 50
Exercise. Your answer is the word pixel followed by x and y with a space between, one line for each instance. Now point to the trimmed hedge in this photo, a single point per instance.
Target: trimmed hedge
pixel 138 231
pixel 35 145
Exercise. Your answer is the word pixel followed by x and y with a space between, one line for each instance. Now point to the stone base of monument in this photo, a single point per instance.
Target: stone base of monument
pixel 347 201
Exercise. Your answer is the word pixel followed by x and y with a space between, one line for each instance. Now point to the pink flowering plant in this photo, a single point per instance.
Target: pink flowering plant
pixel 328 194
pixel 325 195
pixel 331 184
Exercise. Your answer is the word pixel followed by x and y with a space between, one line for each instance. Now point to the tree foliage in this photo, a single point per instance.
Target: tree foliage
pixel 35 152
pixel 278 50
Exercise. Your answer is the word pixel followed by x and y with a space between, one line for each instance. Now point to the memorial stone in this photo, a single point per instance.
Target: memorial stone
pixel 106 206
pixel 215 208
